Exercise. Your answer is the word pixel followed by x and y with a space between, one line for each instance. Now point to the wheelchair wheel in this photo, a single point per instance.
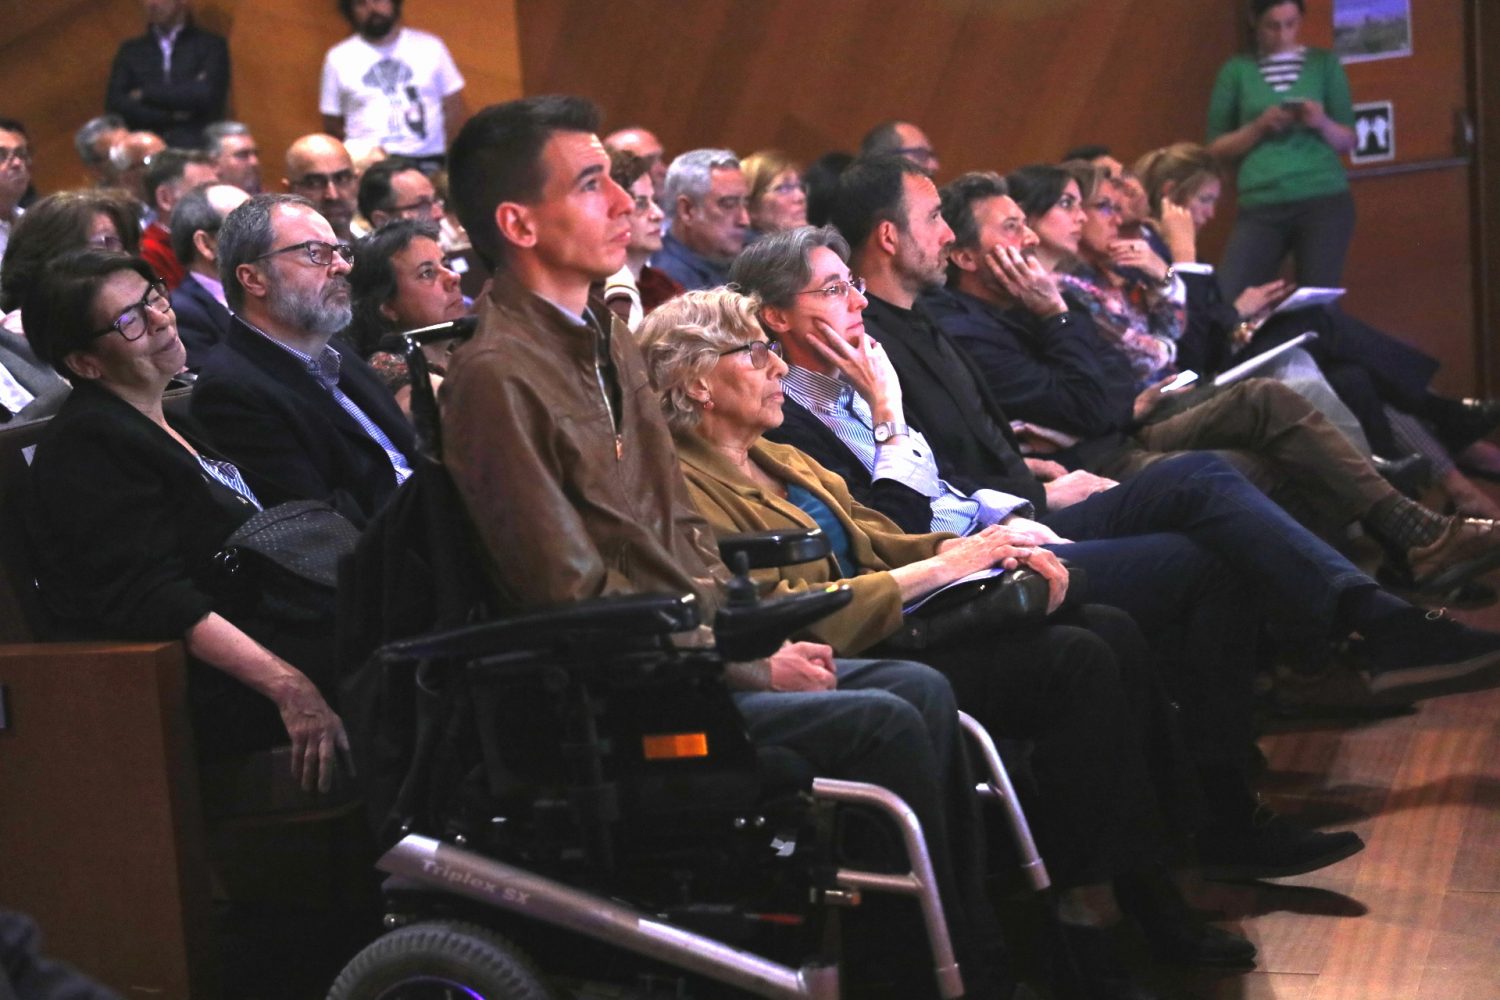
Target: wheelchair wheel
pixel 441 960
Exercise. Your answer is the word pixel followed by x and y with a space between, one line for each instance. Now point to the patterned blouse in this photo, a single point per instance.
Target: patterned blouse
pixel 1141 323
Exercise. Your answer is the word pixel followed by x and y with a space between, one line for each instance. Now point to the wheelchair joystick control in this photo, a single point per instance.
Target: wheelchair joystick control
pixel 741 591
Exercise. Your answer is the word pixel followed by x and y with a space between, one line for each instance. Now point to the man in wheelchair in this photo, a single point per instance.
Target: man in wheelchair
pixel 556 445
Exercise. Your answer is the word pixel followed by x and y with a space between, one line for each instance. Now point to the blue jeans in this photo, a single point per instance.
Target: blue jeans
pixel 1201 497
pixel 894 723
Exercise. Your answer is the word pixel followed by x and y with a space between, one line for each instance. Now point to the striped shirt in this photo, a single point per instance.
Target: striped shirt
pixel 909 461
pixel 226 474
pixel 1281 70
pixel 325 371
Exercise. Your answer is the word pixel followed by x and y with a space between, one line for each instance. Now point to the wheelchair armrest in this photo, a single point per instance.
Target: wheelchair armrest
pixel 778 547
pixel 608 619
pixel 749 632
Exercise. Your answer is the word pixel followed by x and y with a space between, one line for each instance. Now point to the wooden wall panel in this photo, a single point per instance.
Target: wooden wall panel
pixel 999 83
pixel 55 58
pixel 996 83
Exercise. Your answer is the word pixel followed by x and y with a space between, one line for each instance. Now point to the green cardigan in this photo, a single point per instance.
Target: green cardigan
pixel 734 504
pixel 1296 164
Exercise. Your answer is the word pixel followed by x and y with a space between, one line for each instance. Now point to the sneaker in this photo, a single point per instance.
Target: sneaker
pixel 1271 846
pixel 1466 548
pixel 1415 647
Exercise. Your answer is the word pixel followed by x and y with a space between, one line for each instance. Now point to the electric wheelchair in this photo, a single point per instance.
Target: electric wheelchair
pixel 572 789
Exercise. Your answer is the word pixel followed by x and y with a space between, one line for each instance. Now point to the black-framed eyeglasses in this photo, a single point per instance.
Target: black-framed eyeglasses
pixel 21 154
pixel 838 290
pixel 421 208
pixel 760 352
pixel 133 323
pixel 320 182
pixel 317 251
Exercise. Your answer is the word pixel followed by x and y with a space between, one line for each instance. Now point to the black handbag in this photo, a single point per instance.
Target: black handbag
pixel 980 607
pixel 282 563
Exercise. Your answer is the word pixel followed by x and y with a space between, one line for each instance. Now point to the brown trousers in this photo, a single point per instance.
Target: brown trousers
pixel 1281 443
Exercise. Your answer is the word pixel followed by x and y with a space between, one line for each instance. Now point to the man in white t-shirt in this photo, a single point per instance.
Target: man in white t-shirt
pixel 391 85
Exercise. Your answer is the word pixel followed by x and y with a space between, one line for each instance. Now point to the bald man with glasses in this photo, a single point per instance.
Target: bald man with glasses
pixel 302 419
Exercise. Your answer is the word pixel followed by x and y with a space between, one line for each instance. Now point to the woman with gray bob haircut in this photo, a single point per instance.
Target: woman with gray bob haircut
pixel 775 268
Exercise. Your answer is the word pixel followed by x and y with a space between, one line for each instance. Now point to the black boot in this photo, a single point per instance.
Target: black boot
pixel 1173 930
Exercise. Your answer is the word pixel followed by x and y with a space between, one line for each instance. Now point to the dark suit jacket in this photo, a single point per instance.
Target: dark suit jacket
pixel 897 501
pixel 289 436
pixel 971 453
pixel 178 108
pixel 201 322
pixel 1055 372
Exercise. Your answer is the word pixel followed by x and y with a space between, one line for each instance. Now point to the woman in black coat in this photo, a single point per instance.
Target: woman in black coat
pixel 129 510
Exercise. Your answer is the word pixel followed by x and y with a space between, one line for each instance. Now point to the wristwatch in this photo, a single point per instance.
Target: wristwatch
pixel 887 429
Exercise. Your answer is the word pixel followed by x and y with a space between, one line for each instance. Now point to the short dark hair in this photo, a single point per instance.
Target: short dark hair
pixel 12 125
pixel 1037 187
pixel 1091 151
pixel 168 166
pixel 375 186
pixel 774 268
pixel 870 192
pixel 882 139
pixel 959 196
pixel 56 224
pixel 246 236
pixel 192 212
pixel 372 283
pixel 57 313
pixel 821 178
pixel 346 7
pixel 1259 7
pixel 497 157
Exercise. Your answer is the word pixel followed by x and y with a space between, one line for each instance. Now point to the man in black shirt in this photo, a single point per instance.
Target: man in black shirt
pixel 173 79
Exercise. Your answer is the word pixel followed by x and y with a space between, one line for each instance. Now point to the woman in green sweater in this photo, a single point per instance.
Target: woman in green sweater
pixel 1284 115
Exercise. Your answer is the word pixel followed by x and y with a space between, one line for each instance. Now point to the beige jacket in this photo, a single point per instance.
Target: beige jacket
pixel 733 504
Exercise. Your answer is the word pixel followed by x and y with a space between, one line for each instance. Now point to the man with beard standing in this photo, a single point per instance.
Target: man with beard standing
pixel 391 85
pixel 302 420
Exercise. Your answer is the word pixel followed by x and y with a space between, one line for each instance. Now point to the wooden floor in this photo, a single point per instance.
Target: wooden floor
pixel 1416 915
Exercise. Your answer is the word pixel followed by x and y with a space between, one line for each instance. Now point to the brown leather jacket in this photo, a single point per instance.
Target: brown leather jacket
pixel 565 464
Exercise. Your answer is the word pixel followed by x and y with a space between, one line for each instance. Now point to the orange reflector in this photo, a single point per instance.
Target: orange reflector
pixel 674 746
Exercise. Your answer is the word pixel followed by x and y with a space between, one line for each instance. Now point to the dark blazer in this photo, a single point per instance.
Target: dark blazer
pixel 201 322
pixel 897 501
pixel 178 108
pixel 124 522
pixel 971 453
pixel 289 436
pixel 1054 372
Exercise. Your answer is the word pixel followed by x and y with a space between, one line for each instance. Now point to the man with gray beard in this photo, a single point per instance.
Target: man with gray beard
pixel 302 420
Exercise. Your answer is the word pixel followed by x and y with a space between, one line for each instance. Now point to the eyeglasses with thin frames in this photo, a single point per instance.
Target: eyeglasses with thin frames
pixel 760 352
pixel 317 251
pixel 839 289
pixel 21 154
pixel 421 208
pixel 133 323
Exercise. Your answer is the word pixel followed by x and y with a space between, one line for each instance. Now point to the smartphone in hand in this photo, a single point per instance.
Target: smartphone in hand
pixel 1182 381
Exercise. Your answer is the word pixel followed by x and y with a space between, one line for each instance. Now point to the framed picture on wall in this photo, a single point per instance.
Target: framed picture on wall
pixel 1371 29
